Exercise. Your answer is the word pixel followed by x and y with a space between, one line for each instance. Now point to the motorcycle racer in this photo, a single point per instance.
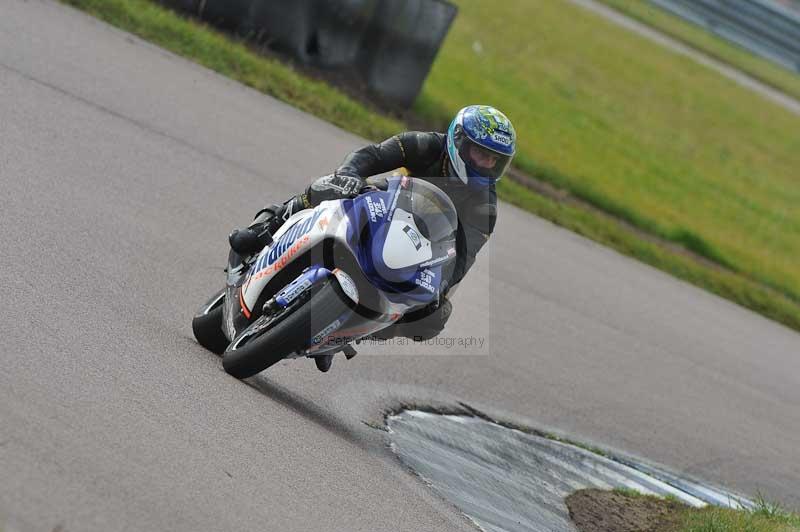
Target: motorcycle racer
pixel 465 163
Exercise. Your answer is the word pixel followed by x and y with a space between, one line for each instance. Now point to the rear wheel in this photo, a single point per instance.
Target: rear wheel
pixel 207 324
pixel 284 334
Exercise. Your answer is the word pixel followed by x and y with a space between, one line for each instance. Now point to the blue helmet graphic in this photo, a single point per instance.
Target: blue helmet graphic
pixel 480 144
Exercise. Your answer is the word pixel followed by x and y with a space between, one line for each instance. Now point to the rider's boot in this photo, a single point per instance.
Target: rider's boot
pixel 268 220
pixel 323 362
pixel 259 234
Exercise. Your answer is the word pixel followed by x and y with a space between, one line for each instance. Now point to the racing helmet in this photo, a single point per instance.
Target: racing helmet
pixel 481 142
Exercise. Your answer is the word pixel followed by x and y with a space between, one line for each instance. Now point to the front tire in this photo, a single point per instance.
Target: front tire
pixel 292 333
pixel 207 324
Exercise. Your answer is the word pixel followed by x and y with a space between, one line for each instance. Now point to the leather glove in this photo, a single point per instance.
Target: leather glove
pixel 334 186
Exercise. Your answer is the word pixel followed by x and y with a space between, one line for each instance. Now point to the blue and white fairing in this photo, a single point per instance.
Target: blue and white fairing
pixel 409 237
pixel 401 239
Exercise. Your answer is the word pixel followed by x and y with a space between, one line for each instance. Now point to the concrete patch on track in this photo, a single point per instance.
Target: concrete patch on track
pixel 505 479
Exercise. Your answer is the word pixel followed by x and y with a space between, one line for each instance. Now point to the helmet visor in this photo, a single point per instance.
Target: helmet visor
pixel 482 160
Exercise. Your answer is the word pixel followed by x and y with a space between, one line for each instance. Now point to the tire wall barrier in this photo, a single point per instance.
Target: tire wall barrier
pixel 764 27
pixel 389 44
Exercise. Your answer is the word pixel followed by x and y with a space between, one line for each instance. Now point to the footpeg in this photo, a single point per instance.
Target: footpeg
pixel 349 351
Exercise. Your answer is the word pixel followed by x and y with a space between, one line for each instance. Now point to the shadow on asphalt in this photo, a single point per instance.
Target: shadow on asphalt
pixel 309 410
pixel 303 406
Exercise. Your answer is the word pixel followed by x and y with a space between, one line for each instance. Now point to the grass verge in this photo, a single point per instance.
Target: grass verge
pixel 711 45
pixel 217 52
pixel 623 509
pixel 634 129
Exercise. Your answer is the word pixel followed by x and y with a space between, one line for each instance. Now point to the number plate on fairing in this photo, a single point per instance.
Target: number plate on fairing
pixel 347 284
pixel 290 293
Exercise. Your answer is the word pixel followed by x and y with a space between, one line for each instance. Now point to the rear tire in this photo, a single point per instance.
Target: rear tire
pixel 292 333
pixel 207 324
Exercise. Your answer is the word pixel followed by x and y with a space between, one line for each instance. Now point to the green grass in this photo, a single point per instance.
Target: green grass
pixel 716 47
pixel 638 137
pixel 629 492
pixel 764 517
pixel 634 129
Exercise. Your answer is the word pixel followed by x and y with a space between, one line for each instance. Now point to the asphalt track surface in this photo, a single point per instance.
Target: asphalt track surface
pixel 123 167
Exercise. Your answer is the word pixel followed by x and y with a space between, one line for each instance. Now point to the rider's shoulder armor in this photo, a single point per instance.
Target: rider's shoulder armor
pixel 422 152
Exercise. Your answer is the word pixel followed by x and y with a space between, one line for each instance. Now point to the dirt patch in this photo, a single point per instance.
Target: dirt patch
pixel 594 510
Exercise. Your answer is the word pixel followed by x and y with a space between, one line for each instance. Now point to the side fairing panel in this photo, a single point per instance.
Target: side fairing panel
pixel 300 233
pixel 404 246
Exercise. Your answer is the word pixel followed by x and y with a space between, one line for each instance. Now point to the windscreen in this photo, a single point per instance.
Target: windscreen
pixel 434 213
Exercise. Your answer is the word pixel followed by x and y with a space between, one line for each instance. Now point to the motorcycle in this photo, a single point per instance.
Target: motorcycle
pixel 332 275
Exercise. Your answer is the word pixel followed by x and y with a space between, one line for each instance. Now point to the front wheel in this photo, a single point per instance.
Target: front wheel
pixel 252 353
pixel 207 324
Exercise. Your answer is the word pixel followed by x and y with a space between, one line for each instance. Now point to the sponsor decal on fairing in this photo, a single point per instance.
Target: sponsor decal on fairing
pixel 376 210
pixel 414 236
pixel 326 331
pixel 287 239
pixel 285 248
pixel 425 280
pixel 290 293
pixel 347 284
pixel 282 261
